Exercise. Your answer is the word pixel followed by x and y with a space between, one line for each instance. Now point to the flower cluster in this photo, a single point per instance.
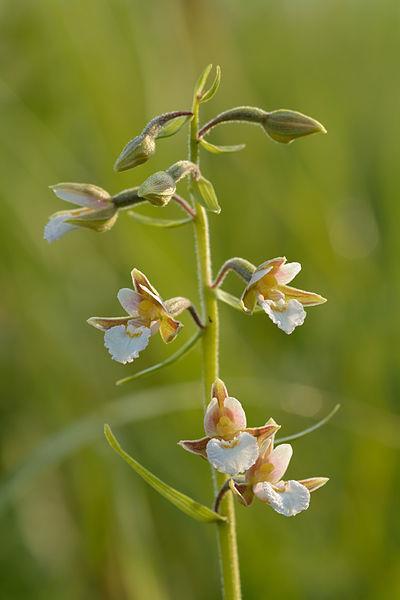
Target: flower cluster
pixel 283 304
pixel 248 455
pixel 125 337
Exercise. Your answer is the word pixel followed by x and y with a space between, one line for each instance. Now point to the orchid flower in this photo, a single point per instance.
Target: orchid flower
pixel 264 480
pixel 283 304
pixel 125 337
pixel 97 210
pixel 229 445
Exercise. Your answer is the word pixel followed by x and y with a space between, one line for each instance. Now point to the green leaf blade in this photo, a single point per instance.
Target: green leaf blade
pixel 210 93
pixel 173 126
pixel 187 505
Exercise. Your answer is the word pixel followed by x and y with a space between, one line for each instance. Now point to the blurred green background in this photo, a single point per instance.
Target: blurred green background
pixel 78 79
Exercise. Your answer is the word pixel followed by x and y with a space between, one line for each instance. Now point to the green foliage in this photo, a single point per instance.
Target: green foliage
pixel 187 505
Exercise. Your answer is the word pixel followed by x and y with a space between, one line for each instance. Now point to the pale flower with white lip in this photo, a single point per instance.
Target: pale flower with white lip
pixel 125 337
pixel 264 480
pixel 283 304
pixel 97 210
pixel 230 446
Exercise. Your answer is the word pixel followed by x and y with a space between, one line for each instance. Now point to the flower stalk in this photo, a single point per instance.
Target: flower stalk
pixel 227 540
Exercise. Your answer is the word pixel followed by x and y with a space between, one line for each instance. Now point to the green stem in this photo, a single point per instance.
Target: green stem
pixel 227 543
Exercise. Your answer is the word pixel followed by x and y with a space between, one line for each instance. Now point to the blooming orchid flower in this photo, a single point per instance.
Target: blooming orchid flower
pixel 125 337
pixel 283 304
pixel 97 210
pixel 264 480
pixel 229 445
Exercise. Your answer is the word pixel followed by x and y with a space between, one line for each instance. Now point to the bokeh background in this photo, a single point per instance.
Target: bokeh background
pixel 77 80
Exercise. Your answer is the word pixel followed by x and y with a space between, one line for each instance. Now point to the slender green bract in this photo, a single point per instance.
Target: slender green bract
pixel 190 507
pixel 165 363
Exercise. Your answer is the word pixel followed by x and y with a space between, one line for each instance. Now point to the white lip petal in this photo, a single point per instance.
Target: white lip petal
pixel 287 318
pixel 129 300
pixel 82 194
pixel 125 342
pixel 291 499
pixel 287 272
pixel 235 456
pixel 57 227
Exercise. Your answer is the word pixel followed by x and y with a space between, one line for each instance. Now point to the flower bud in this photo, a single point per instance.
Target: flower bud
pixel 143 146
pixel 182 168
pixel 284 126
pixel 158 189
pixel 136 152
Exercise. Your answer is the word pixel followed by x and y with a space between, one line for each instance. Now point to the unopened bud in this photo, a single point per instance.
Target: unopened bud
pixel 158 189
pixel 284 126
pixel 182 168
pixel 136 152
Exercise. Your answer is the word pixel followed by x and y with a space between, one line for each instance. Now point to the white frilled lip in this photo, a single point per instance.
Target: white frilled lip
pixel 234 456
pixel 286 315
pixel 57 226
pixel 287 498
pixel 82 194
pixel 232 409
pixel 124 342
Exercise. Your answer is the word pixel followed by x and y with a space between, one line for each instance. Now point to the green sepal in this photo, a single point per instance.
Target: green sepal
pixel 173 126
pixel 190 507
pixel 220 149
pixel 164 223
pixel 204 193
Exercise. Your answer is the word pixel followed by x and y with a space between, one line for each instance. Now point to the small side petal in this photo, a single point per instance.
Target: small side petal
pixel 249 299
pixel 125 342
pixel 288 318
pixel 279 458
pixel 287 272
pixel 139 278
pixel 129 300
pixel 290 499
pixel 234 456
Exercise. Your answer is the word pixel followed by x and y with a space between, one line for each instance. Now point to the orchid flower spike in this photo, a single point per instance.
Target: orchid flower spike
pixel 125 337
pixel 97 210
pixel 229 445
pixel 283 304
pixel 264 480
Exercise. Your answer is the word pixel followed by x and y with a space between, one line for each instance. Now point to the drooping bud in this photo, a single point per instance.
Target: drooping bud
pixel 136 152
pixel 158 189
pixel 143 146
pixel 284 126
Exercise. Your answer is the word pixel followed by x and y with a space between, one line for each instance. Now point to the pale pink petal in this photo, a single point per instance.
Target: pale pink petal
pixel 234 456
pixel 287 272
pixel 232 409
pixel 288 498
pixel 129 300
pixel 279 458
